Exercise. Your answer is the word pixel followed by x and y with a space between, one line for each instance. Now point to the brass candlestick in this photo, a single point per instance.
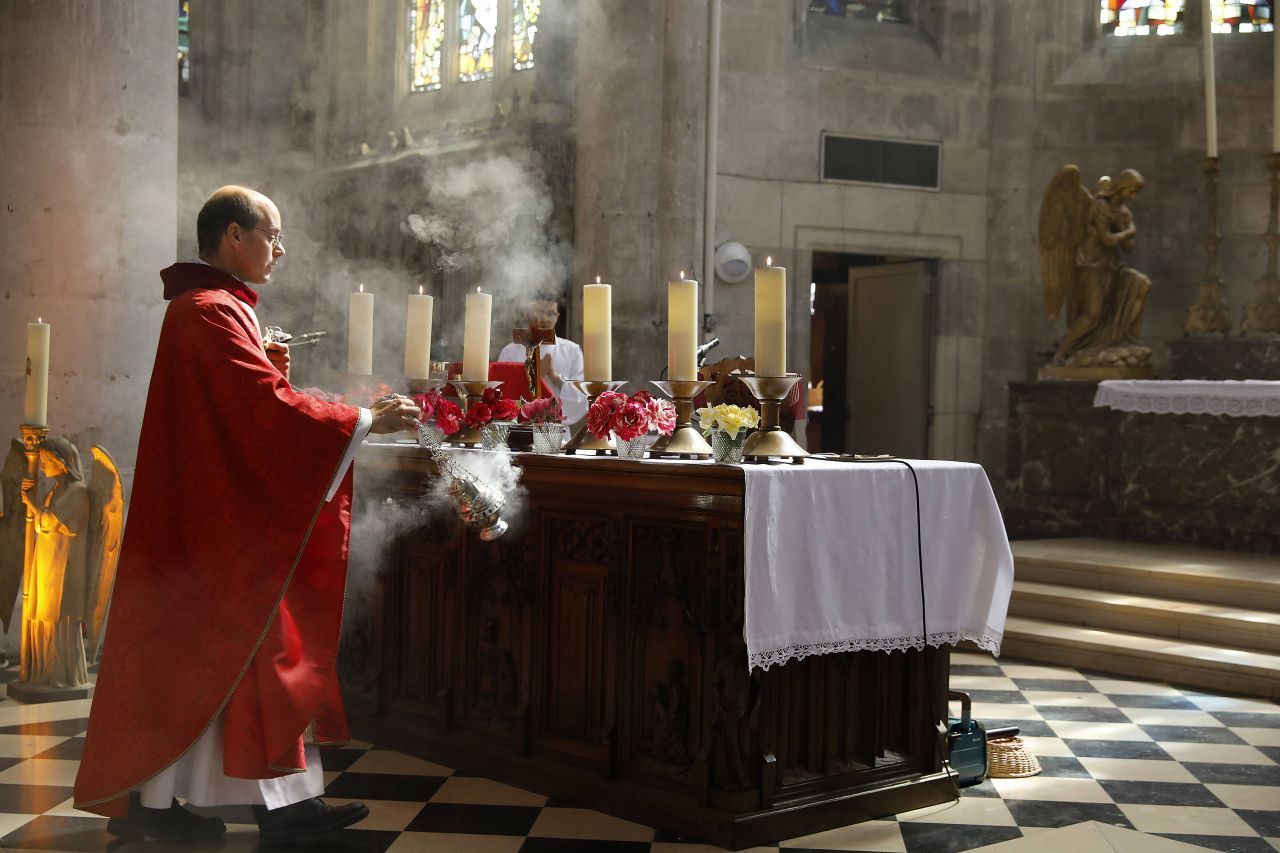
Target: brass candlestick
pixel 1208 314
pixel 685 441
pixel 770 441
pixel 424 386
pixel 1262 314
pixel 471 390
pixel 583 439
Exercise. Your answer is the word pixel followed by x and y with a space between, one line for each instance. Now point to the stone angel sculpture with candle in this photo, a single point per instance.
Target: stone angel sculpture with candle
pixel 70 566
pixel 1082 237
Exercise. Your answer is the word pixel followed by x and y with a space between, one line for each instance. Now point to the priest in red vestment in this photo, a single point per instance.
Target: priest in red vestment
pixel 217 682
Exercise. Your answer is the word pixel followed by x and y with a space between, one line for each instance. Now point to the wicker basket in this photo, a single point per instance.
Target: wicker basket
pixel 1009 758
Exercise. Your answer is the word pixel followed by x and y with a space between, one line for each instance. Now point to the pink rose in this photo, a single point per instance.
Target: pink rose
pixel 662 413
pixel 630 420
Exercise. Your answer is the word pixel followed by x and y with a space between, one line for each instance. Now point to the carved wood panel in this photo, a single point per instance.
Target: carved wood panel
pixel 577 654
pixel 422 642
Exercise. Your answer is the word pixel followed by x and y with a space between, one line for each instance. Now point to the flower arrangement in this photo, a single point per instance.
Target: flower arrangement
pixel 491 406
pixel 630 417
pixel 541 410
pixel 728 418
pixel 440 410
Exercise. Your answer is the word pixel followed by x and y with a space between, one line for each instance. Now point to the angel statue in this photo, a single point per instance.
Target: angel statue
pixel 76 535
pixel 1081 237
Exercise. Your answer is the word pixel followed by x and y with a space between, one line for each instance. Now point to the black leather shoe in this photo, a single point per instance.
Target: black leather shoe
pixel 309 817
pixel 172 824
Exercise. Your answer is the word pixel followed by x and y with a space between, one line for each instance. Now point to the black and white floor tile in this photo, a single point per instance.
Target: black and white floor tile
pixel 1128 765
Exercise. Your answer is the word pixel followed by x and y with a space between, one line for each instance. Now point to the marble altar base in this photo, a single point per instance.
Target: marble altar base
pixel 1077 470
pixel 1220 358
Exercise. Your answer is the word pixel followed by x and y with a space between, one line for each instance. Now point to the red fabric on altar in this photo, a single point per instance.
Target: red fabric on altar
pixel 512 375
pixel 228 596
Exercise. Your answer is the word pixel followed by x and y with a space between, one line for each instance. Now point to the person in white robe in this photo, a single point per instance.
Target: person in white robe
pixel 561 361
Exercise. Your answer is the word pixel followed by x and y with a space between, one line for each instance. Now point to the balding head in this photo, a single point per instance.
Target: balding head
pixel 228 204
pixel 238 230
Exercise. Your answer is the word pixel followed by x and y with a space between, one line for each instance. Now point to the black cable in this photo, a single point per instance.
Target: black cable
pixel 924 614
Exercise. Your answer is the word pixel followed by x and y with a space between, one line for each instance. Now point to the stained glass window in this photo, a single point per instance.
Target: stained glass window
pixel 184 47
pixel 1249 16
pixel 477 28
pixel 426 44
pixel 525 17
pixel 1166 17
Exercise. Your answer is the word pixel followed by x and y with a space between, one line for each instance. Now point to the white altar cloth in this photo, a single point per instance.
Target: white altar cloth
pixel 831 559
pixel 1239 398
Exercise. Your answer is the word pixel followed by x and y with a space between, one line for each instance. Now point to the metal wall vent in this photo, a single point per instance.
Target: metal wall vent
pixel 861 160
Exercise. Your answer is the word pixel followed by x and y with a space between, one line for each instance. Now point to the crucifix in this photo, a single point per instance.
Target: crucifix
pixel 534 339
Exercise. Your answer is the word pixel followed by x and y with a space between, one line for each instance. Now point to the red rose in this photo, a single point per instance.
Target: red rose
pixel 448 416
pixel 426 402
pixel 505 410
pixel 631 420
pixel 491 396
pixel 601 412
pixel 478 413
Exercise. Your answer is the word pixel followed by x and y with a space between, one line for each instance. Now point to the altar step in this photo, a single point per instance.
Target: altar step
pixel 1190 616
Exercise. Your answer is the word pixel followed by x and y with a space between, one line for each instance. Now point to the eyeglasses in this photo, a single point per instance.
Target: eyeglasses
pixel 276 242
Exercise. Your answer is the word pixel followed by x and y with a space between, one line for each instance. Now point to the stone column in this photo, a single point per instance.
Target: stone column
pixel 88 124
pixel 639 108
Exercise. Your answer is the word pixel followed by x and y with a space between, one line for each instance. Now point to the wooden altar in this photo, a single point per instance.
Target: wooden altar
pixel 594 653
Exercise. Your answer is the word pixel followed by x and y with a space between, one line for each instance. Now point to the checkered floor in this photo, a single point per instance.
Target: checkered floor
pixel 1198 768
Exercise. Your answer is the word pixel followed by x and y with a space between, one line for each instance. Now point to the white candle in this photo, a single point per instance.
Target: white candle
pixel 597 332
pixel 1275 83
pixel 682 329
pixel 771 320
pixel 475 337
pixel 35 405
pixel 360 334
pixel 417 336
pixel 1210 93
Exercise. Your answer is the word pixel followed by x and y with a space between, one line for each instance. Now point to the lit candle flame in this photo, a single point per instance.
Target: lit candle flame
pixel 419 290
pixel 682 273
pixel 39 319
pixel 597 279
pixel 477 290
pixel 362 287
pixel 768 260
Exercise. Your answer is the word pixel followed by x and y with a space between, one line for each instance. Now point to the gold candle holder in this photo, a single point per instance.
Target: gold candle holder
pixel 471 390
pixel 1262 313
pixel 1208 314
pixel 424 386
pixel 770 441
pixel 583 439
pixel 685 441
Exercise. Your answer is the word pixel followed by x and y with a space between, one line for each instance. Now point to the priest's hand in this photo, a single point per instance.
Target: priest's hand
pixel 278 354
pixel 394 415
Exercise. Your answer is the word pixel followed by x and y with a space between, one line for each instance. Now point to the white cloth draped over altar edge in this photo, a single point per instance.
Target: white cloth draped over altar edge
pixel 831 559
pixel 1238 398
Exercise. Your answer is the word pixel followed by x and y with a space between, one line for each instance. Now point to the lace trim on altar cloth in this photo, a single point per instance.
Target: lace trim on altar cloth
pixel 1248 399
pixel 777 657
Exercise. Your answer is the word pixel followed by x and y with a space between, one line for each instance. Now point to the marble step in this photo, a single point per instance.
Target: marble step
pixel 1179 662
pixel 1215 624
pixel 1169 571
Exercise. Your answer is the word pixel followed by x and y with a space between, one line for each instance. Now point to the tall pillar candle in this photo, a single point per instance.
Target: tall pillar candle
pixel 35 403
pixel 682 329
pixel 1210 84
pixel 360 334
pixel 417 336
pixel 475 337
pixel 771 320
pixel 597 332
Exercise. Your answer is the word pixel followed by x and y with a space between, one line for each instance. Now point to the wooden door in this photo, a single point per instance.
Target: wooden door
pixel 888 377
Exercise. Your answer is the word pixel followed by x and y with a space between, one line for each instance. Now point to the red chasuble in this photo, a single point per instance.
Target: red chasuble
pixel 229 592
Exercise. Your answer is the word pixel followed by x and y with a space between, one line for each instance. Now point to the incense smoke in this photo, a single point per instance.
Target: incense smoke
pixel 493 217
